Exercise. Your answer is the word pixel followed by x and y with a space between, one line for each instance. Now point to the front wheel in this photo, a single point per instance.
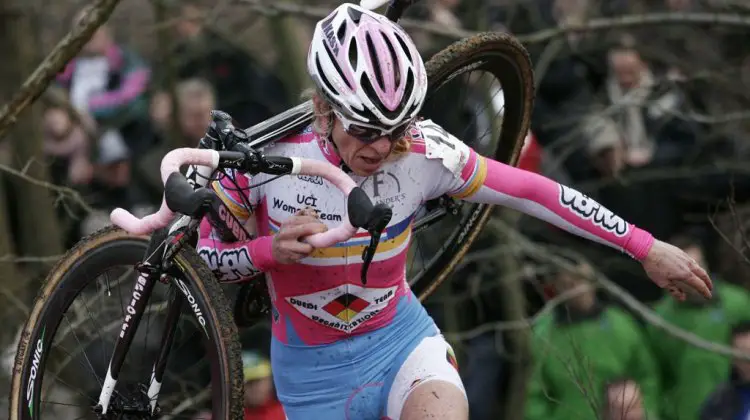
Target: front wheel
pixel 68 340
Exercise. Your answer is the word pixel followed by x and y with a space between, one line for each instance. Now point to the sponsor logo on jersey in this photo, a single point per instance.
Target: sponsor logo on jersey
pixel 228 265
pixel 588 209
pixel 304 201
pixel 311 179
pixel 345 307
pixel 385 188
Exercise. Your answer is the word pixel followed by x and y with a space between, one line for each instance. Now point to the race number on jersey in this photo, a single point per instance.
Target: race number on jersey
pixel 440 144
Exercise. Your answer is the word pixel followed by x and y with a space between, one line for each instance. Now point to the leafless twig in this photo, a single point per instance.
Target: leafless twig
pixel 63 52
pixel 317 12
pixel 623 296
pixel 66 191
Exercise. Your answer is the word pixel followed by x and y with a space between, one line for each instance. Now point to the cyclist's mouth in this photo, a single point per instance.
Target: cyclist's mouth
pixel 371 161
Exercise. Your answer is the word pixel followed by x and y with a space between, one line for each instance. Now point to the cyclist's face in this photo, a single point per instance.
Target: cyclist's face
pixel 363 158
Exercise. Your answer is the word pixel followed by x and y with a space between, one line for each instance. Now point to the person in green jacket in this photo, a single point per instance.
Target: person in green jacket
pixel 689 374
pixel 581 347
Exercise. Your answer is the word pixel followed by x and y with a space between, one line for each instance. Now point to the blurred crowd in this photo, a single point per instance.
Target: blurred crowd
pixel 618 115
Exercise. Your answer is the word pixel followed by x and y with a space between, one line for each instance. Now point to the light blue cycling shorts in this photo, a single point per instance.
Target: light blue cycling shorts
pixel 364 377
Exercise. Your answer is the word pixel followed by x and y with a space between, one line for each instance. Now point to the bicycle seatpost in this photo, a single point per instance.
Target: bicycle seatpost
pixel 395 8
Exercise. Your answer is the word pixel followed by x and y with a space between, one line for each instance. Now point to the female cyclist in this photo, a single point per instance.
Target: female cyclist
pixel 346 350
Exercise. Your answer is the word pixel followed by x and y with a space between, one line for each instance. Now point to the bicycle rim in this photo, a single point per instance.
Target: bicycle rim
pixel 506 61
pixel 78 269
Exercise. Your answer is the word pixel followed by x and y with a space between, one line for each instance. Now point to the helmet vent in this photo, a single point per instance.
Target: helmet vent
pixel 367 87
pixel 404 48
pixel 375 62
pixel 353 56
pixel 323 78
pixel 394 59
pixel 341 32
pixel 354 14
pixel 338 69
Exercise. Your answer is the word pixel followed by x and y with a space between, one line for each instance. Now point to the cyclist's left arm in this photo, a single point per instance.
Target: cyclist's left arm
pixel 475 178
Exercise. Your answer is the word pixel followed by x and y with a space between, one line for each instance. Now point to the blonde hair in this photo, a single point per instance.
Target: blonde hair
pixel 323 116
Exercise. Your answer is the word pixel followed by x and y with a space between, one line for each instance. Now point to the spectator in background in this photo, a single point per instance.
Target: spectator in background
pixel 260 396
pixel 67 146
pixel 244 89
pixel 623 401
pixel 67 149
pixel 573 71
pixel 649 202
pixel 647 110
pixel 582 346
pixel 690 374
pixel 196 99
pixel 108 82
pixel 731 400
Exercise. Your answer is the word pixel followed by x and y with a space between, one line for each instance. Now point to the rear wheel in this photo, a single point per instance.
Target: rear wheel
pixel 481 91
pixel 68 340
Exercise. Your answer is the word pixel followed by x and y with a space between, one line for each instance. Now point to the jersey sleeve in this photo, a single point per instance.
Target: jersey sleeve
pixel 232 261
pixel 469 176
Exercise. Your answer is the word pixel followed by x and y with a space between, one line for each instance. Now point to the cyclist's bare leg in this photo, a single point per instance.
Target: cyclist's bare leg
pixel 436 400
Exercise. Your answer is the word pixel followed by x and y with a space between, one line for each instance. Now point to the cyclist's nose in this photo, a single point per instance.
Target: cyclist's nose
pixel 382 145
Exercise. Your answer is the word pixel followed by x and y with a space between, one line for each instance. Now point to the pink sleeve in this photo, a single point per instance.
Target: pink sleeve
pixel 487 181
pixel 232 261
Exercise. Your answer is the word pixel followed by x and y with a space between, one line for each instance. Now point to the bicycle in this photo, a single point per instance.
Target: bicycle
pixel 192 293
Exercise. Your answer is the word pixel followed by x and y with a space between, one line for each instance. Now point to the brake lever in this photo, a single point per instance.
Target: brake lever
pixel 379 218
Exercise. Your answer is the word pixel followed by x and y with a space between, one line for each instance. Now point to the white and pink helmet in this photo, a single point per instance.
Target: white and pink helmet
pixel 367 67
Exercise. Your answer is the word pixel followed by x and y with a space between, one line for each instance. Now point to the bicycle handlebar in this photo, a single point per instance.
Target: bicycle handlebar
pixel 179 195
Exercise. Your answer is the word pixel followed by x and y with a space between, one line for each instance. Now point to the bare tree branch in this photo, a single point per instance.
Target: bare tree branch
pixel 623 296
pixel 63 52
pixel 626 21
pixel 65 191
pixel 514 325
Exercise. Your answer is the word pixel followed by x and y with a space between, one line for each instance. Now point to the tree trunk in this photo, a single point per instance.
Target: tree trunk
pixel 34 204
pixel 63 52
pixel 14 293
pixel 516 340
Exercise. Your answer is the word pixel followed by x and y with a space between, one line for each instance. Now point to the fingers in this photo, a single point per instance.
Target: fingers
pixel 301 219
pixel 288 243
pixel 701 273
pixel 296 231
pixel 297 247
pixel 676 292
pixel 699 281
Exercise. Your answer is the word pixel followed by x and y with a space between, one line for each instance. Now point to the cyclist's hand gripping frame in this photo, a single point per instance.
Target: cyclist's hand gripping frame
pixel 181 197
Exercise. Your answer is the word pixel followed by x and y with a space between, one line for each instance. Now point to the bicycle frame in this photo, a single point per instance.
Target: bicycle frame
pixel 165 244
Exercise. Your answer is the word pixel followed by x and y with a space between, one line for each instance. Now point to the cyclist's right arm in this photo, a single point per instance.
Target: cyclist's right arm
pixel 232 261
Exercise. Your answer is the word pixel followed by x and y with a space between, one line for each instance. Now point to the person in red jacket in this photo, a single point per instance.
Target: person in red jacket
pixel 260 400
pixel 260 396
pixel 531 154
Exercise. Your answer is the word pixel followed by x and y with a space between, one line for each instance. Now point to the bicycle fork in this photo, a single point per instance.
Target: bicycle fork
pixel 150 273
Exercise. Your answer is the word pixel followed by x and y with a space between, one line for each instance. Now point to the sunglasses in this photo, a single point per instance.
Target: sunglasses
pixel 369 133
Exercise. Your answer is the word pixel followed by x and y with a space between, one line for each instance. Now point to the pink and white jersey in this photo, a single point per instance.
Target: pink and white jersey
pixel 322 297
